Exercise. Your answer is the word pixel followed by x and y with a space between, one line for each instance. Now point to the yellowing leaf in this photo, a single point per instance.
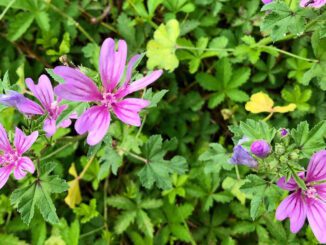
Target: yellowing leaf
pixel 74 196
pixel 161 50
pixel 261 102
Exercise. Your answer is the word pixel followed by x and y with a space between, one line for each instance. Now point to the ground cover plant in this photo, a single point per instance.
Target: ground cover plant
pixel 162 122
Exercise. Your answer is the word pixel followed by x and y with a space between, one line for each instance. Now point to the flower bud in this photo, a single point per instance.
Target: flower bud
pixel 284 159
pixel 294 155
pixel 284 132
pixel 260 148
pixel 279 149
pixel 267 1
pixel 242 156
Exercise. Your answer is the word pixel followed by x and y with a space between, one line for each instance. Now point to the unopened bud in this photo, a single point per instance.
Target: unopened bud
pixel 279 149
pixel 260 148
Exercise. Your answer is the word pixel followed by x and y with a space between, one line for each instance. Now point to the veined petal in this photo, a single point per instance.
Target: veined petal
pixel 316 214
pixel 49 127
pixel 127 110
pixel 24 165
pixel 43 91
pixel 95 121
pixel 130 67
pixel 293 207
pixel 23 142
pixel 77 86
pixel 291 185
pixel 112 63
pixel 317 167
pixel 5 173
pixel 4 142
pixel 140 84
pixel 23 104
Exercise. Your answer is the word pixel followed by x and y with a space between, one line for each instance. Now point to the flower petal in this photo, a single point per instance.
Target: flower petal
pixel 49 127
pixel 4 142
pixel 317 167
pixel 5 173
pixel 140 84
pixel 112 63
pixel 130 67
pixel 293 207
pixel 23 142
pixel 127 110
pixel 24 165
pixel 77 86
pixel 291 185
pixel 95 121
pixel 23 104
pixel 43 91
pixel 316 214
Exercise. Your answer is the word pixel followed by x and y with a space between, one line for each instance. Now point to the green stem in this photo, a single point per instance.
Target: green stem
pixel 56 151
pixel 81 175
pixel 268 117
pixel 133 155
pixel 7 8
pixel 237 172
pixel 141 127
pixel 205 49
pixel 78 26
pixel 91 232
pixel 289 54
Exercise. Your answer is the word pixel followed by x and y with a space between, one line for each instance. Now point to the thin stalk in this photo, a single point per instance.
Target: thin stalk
pixel 133 155
pixel 7 8
pixel 205 49
pixel 268 117
pixel 141 127
pixel 56 151
pixel 237 172
pixel 81 175
pixel 91 232
pixel 78 26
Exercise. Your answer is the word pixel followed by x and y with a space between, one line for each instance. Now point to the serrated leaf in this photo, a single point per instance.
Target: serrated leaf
pixel 19 25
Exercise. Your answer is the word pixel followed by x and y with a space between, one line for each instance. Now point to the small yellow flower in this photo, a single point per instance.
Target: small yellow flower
pixel 261 102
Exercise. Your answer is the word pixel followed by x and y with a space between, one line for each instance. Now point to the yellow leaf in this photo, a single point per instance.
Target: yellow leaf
pixel 74 196
pixel 260 102
pixel 283 109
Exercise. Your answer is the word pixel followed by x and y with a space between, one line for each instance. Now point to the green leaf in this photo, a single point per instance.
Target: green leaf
pixel 87 212
pixel 224 71
pixel 297 97
pixel 237 95
pixel 120 202
pixel 161 50
pixel 124 220
pixel 215 158
pixel 19 25
pixel 110 160
pixel 38 194
pixel 257 130
pixel 43 20
pixel 144 223
pixel 309 141
pixel 207 81
pixel 239 77
pixel 282 20
pixel 156 169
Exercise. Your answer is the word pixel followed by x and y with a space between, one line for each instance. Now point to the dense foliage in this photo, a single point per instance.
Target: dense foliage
pixel 231 96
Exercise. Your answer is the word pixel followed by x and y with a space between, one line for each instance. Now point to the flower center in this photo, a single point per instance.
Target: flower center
pixel 311 192
pixel 108 100
pixel 54 109
pixel 10 158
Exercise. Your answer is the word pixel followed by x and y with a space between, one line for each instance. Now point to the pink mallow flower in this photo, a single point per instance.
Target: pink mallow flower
pixel 310 203
pixel 43 91
pixel 109 98
pixel 312 3
pixel 12 159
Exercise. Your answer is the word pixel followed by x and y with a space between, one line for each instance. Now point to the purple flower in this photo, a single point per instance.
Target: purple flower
pixel 310 203
pixel 110 98
pixel 260 148
pixel 242 156
pixel 284 132
pixel 312 3
pixel 50 107
pixel 267 1
pixel 12 159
